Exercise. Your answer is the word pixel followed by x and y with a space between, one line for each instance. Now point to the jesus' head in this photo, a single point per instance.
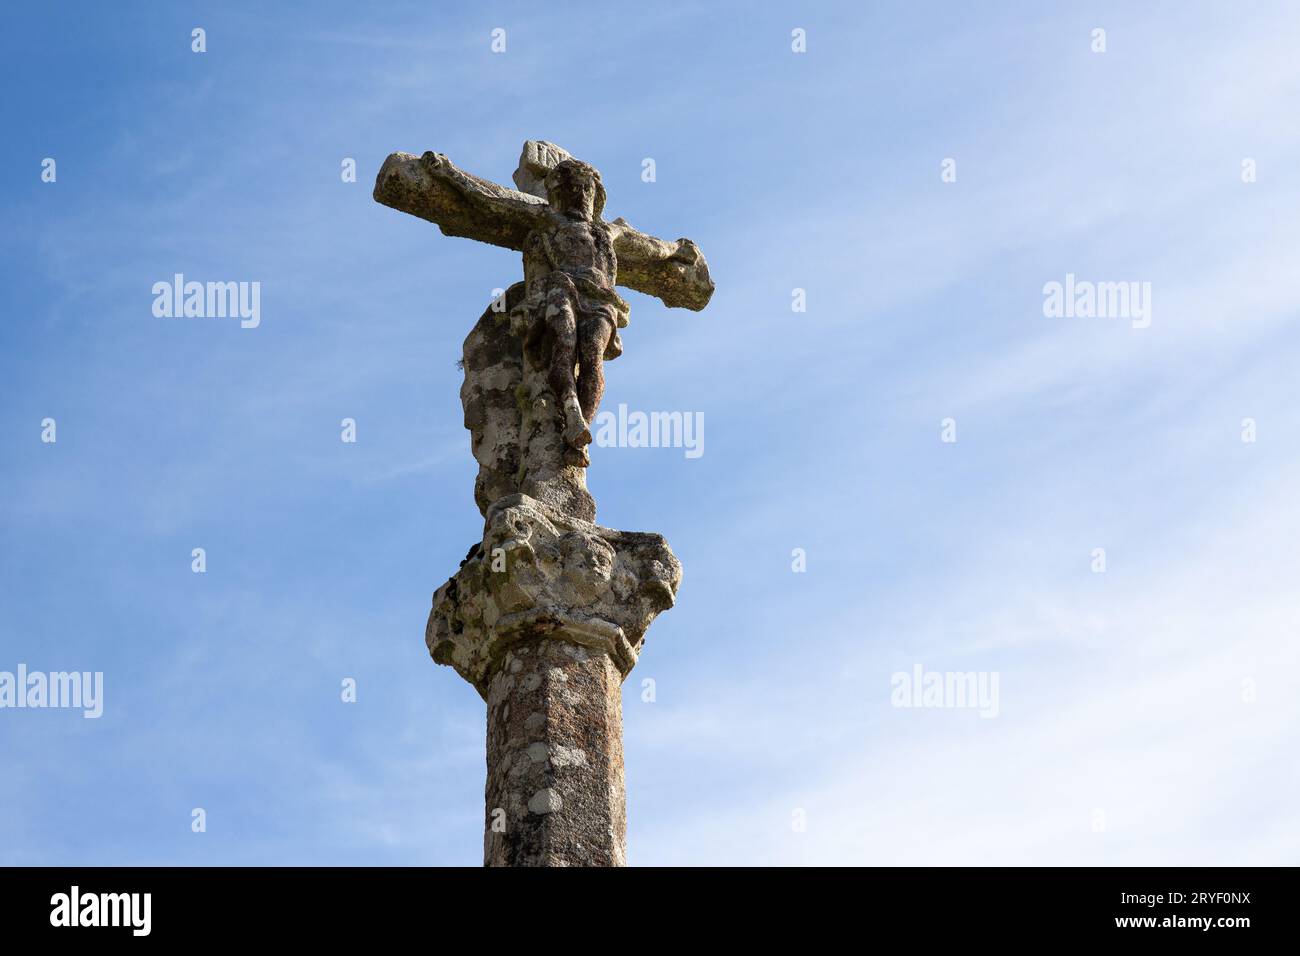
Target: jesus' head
pixel 574 189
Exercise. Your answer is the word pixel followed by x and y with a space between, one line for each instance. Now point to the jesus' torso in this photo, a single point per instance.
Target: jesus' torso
pixel 582 248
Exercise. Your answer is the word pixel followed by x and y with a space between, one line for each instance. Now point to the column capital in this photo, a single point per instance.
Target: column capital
pixel 538 573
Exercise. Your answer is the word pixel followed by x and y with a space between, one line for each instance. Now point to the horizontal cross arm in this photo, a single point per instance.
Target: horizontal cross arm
pixel 674 272
pixel 461 204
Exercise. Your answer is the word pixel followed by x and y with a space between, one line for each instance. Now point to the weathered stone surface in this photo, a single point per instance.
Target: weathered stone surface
pixel 554 794
pixel 536 161
pixel 545 618
pixel 568 316
pixel 504 217
pixel 548 613
pixel 515 423
pixel 538 574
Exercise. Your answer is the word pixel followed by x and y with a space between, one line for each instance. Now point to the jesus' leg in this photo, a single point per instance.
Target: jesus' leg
pixel 561 321
pixel 593 337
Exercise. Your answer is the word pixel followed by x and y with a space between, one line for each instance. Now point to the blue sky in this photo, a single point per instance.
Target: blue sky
pixel 1147 715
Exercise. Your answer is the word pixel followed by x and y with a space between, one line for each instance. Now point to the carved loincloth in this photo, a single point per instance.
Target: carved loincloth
pixel 591 302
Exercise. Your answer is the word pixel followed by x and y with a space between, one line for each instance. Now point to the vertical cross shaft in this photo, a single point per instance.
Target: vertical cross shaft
pixel 555 794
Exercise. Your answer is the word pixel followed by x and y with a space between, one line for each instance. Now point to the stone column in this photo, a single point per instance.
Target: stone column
pixel 545 619
pixel 555 793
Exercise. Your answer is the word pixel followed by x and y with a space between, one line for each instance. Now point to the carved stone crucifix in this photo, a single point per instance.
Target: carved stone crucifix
pixel 548 613
pixel 573 259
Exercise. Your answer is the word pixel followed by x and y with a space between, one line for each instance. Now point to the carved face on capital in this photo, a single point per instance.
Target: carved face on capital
pixel 574 189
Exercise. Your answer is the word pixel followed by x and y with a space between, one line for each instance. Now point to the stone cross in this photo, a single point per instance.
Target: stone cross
pixel 548 612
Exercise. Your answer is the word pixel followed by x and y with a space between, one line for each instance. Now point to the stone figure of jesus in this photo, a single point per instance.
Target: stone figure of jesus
pixel 571 265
